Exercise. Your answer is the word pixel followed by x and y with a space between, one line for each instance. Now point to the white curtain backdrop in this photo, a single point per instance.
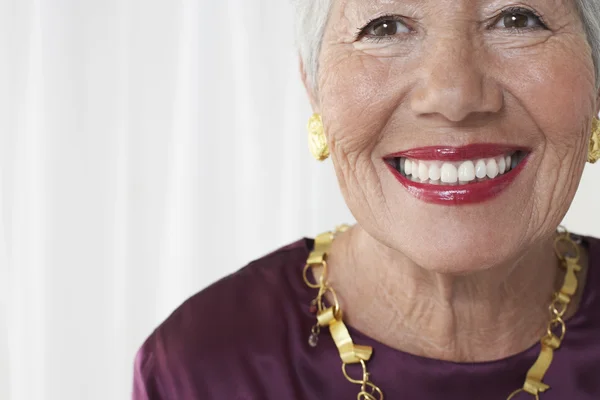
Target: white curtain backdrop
pixel 147 148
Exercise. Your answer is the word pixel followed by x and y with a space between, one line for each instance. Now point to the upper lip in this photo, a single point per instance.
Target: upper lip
pixel 449 153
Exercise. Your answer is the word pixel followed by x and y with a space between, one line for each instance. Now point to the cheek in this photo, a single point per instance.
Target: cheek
pixel 357 99
pixel 556 89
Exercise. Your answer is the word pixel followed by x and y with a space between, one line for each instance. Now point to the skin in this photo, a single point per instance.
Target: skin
pixel 460 283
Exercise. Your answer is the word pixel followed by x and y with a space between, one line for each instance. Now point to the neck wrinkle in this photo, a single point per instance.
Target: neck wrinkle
pixel 482 316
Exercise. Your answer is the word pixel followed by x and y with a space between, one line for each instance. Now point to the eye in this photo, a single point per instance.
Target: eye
pixel 518 19
pixel 383 27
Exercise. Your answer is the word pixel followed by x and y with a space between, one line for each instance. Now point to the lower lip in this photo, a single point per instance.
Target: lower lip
pixel 453 195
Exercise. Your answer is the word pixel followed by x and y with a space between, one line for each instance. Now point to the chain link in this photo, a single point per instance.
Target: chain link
pixel 368 391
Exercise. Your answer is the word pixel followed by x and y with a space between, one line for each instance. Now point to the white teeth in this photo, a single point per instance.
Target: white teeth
pixel 434 172
pixel 466 172
pixel 407 167
pixel 463 172
pixel 423 171
pixel 492 168
pixel 480 169
pixel 501 165
pixel 449 173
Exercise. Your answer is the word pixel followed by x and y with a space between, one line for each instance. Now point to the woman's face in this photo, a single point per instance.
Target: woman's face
pixel 425 104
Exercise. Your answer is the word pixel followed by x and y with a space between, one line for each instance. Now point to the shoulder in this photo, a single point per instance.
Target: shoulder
pixel 593 249
pixel 587 315
pixel 593 245
pixel 223 326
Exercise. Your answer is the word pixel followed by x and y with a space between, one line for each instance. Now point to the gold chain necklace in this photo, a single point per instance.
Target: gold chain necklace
pixel 351 353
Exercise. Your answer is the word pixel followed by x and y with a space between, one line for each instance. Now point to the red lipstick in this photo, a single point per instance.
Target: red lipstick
pixel 458 194
pixel 470 152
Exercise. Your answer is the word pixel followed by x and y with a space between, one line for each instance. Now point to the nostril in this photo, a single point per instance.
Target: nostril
pixel 456 98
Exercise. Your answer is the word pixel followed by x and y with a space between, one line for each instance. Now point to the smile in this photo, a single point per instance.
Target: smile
pixel 453 176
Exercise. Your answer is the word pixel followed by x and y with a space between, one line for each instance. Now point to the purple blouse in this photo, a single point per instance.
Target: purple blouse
pixel 246 338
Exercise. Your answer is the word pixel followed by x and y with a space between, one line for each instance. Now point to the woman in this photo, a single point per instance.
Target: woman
pixel 459 130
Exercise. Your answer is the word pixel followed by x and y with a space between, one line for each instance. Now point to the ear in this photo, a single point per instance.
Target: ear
pixel 310 90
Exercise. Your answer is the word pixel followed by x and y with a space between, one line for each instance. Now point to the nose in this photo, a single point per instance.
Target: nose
pixel 453 82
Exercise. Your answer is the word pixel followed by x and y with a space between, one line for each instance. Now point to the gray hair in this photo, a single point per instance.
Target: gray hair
pixel 590 15
pixel 312 16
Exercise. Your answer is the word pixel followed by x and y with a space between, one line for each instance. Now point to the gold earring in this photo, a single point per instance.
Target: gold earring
pixel 594 153
pixel 317 141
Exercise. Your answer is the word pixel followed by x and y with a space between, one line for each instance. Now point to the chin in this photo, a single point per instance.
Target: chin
pixel 460 240
pixel 460 250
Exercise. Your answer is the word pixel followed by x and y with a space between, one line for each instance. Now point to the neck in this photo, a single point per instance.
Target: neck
pixel 483 316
